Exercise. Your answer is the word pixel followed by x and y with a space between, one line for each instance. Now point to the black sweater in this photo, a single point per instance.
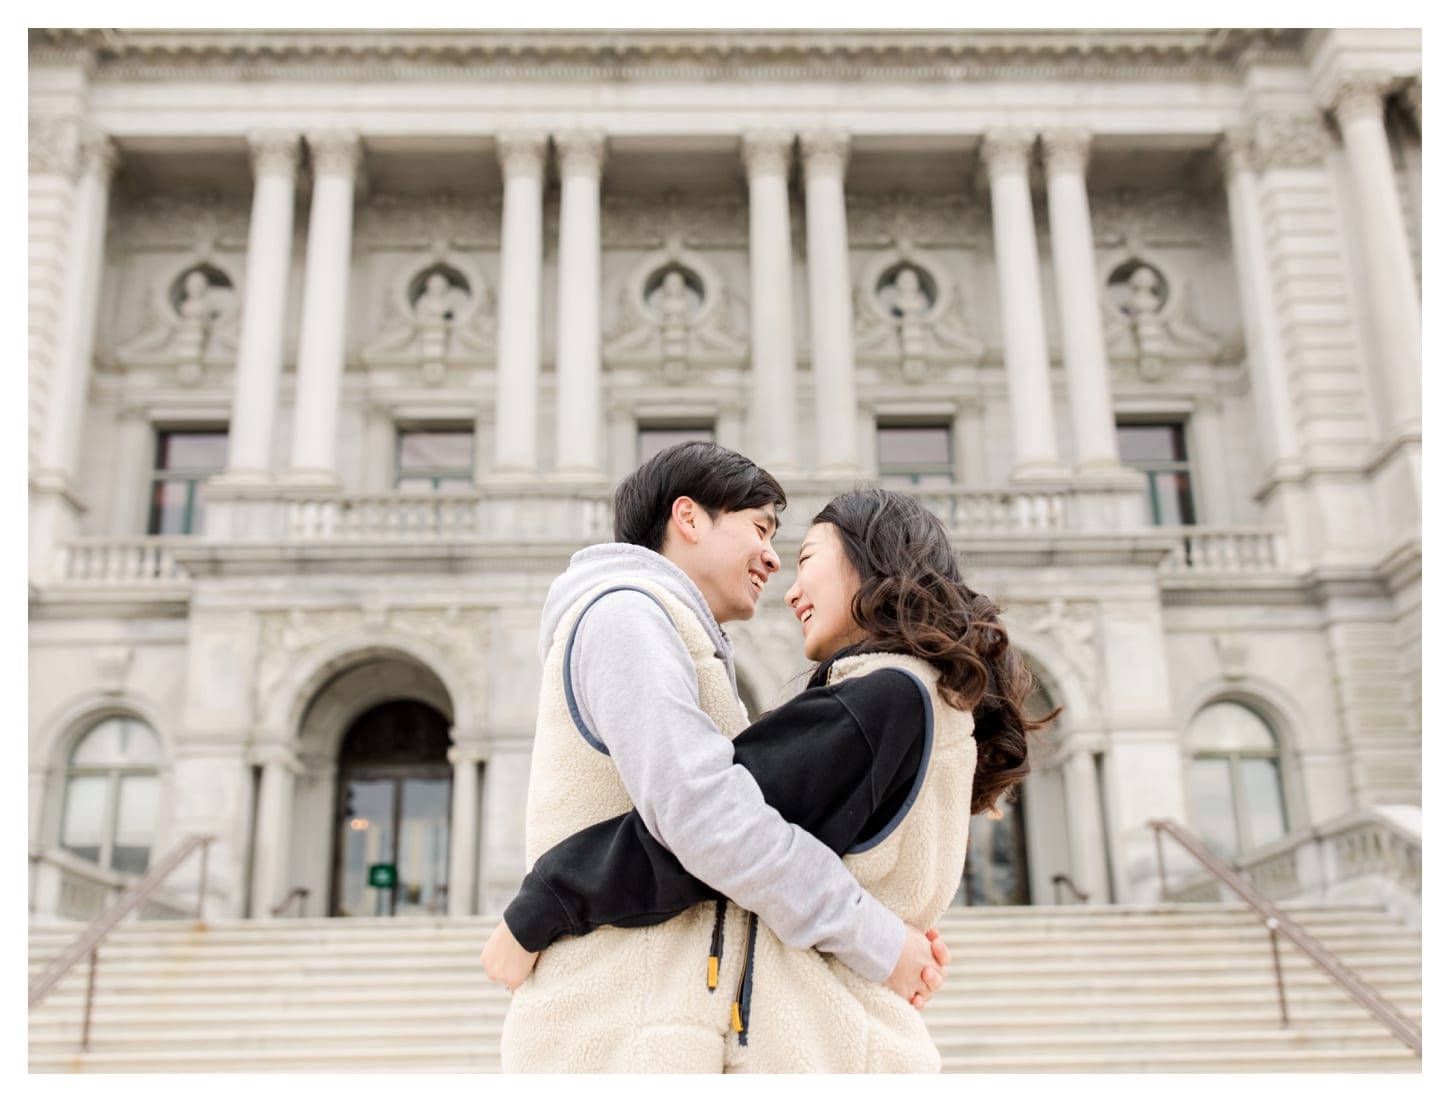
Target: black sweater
pixel 838 760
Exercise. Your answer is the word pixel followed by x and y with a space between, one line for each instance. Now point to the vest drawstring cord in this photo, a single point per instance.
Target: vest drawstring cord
pixel 740 1011
pixel 717 946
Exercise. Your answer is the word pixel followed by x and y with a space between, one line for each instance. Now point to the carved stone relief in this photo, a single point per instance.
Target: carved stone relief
pixel 410 222
pixel 879 221
pixel 1073 627
pixel 438 310
pixel 163 223
pixel 191 320
pixel 54 144
pixel 677 315
pixel 462 635
pixel 910 317
pixel 647 222
pixel 1148 325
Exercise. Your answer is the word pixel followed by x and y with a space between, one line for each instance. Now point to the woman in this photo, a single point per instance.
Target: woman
pixel 880 758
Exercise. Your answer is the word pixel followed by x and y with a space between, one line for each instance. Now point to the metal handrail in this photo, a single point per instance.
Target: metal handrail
pixel 295 893
pixel 90 939
pixel 1063 880
pixel 1277 922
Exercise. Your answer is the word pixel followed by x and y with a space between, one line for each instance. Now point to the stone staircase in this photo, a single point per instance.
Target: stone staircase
pixel 1152 988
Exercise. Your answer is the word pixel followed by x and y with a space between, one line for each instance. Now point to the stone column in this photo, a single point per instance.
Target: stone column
pixel 1268 366
pixel 321 344
pixel 1084 354
pixel 772 327
pixel 1024 340
pixel 463 836
pixel 828 263
pixel 1085 813
pixel 55 504
pixel 264 308
pixel 578 393
pixel 1394 295
pixel 516 406
pixel 272 848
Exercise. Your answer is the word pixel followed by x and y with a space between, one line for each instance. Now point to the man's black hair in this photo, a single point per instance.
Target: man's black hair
pixel 717 479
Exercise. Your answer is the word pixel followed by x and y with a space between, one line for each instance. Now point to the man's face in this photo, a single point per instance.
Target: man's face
pixel 733 560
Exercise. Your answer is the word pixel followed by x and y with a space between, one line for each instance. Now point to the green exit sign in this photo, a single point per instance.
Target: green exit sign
pixel 382 876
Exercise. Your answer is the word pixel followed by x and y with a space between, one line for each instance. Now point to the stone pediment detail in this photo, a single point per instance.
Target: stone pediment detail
pixel 910 317
pixel 180 223
pixel 1161 219
pixel 879 221
pixel 191 320
pixel 735 55
pixel 676 314
pixel 1148 325
pixel 696 222
pixel 411 222
pixel 438 310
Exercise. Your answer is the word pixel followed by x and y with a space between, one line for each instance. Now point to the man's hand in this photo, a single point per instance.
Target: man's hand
pixel 919 970
pixel 505 960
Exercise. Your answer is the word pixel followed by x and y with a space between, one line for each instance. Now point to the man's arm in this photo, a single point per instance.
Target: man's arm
pixel 638 692
pixel 836 760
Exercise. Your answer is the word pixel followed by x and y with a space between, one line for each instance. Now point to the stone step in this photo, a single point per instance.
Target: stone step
pixel 1264 1014
pixel 1160 1061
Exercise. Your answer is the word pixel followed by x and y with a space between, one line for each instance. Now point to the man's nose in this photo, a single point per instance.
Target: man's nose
pixel 772 560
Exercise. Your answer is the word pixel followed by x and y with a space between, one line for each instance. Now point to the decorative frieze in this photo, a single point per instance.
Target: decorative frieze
pixel 407 222
pixel 879 221
pixel 54 144
pixel 1291 140
pixel 705 222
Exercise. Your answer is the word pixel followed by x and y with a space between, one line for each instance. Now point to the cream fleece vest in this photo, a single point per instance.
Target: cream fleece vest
pixel 618 999
pixel 810 1013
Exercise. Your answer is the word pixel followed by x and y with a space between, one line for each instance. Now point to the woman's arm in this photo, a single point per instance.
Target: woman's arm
pixel 835 760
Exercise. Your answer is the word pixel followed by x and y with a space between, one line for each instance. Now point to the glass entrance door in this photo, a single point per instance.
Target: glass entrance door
pixel 394 811
pixel 996 872
pixel 395 846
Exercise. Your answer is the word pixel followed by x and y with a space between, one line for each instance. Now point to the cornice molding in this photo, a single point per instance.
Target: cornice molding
pixel 592 55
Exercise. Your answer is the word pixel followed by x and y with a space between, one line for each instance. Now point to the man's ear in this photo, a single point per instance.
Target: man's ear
pixel 684 513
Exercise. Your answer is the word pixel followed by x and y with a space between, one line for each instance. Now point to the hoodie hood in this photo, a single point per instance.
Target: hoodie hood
pixel 622 562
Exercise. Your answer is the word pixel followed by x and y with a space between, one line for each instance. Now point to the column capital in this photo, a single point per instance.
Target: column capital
pixel 580 152
pixel 522 152
pixel 1410 94
pixel 334 152
pixel 97 154
pixel 1290 141
pixel 1359 96
pixel 825 152
pixel 265 754
pixel 1236 151
pixel 766 152
pixel 1065 150
pixel 274 152
pixel 1007 150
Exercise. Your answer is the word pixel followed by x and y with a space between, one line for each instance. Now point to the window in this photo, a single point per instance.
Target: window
pixel 434 459
pixel 1233 779
pixel 914 456
pixel 1160 451
pixel 185 459
pixel 111 790
pixel 656 438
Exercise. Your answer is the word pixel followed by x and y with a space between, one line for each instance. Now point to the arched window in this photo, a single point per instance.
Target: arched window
pixel 1233 779
pixel 111 789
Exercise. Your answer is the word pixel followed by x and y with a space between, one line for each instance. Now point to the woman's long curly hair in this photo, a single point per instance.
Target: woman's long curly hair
pixel 913 600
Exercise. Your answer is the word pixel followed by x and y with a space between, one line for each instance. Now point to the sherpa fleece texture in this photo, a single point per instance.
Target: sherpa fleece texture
pixel 809 1012
pixel 620 1000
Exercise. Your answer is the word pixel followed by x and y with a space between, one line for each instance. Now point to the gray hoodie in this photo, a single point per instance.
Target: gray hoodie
pixel 636 690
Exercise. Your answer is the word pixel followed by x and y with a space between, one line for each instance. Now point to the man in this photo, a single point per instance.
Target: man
pixel 639 684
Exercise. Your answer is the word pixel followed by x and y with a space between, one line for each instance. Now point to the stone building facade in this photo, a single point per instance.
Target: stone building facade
pixel 339 341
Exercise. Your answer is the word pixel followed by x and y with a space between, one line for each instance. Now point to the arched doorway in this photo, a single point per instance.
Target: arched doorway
pixel 998 870
pixel 394 792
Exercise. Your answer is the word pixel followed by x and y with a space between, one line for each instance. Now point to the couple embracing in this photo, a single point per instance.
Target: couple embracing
pixel 708 894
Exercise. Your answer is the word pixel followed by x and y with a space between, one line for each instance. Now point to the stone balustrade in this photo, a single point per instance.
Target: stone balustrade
pixel 1372 854
pixel 140 561
pixel 67 888
pixel 383 518
pixel 1228 551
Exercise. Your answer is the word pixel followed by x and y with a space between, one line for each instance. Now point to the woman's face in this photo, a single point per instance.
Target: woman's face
pixel 821 594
